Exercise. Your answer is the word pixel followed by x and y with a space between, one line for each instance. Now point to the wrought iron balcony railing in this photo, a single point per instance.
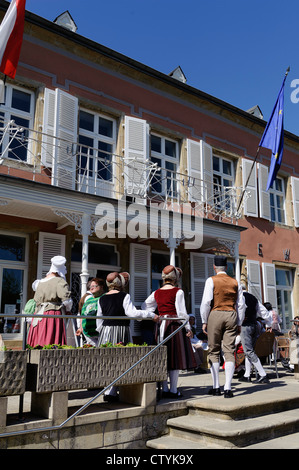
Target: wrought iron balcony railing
pixel 34 155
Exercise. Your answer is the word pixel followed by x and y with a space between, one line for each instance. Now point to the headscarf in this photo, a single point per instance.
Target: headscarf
pixel 58 266
pixel 171 273
pixel 115 281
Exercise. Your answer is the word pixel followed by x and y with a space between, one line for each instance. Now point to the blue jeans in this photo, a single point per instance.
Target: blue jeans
pixel 248 338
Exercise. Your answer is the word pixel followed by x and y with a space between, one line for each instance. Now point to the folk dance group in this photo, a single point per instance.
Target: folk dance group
pixel 224 308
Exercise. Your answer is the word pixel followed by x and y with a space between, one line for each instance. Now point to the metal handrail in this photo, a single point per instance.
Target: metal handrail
pixel 83 407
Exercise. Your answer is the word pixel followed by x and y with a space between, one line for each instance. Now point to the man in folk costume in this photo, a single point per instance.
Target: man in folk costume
pixel 249 335
pixel 222 313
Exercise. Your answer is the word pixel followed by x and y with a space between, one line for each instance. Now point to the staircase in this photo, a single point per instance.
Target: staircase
pixel 255 418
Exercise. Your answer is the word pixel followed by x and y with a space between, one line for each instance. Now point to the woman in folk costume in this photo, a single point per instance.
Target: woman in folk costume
pixel 117 303
pixel 52 297
pixel 170 302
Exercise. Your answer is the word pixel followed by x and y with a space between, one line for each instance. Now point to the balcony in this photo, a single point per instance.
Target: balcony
pixel 32 155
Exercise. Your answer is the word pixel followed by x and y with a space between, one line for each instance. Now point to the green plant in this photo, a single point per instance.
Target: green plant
pixel 85 346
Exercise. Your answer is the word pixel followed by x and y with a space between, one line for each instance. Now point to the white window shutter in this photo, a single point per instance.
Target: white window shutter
pixel 264 197
pixel 295 197
pixel 140 272
pixel 136 156
pixel 207 171
pixel 140 279
pixel 64 170
pixel 49 245
pixel 254 278
pixel 201 267
pixel 49 119
pixel 250 204
pixel 269 282
pixel 195 184
pixel 60 126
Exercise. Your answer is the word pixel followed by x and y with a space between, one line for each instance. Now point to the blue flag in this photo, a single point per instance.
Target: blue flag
pixel 273 136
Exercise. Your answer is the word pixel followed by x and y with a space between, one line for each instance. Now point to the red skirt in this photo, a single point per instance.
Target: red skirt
pixel 47 331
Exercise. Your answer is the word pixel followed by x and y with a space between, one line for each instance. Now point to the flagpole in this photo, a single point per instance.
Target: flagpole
pixel 257 152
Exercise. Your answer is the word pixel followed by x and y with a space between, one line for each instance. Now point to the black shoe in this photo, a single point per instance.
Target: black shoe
pixel 215 392
pixel 262 380
pixel 199 370
pixel 245 379
pixel 111 398
pixel 228 394
pixel 177 395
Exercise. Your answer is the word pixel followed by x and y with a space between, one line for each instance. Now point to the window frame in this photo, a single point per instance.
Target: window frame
pixel 8 111
pixel 164 159
pixel 221 202
pixel 93 170
pixel 274 192
pixel 282 288
pixel 20 265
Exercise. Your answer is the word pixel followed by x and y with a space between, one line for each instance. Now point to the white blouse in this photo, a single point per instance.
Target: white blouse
pixel 180 306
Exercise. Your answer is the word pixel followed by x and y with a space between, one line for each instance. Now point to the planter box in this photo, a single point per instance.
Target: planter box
pixel 74 369
pixel 13 365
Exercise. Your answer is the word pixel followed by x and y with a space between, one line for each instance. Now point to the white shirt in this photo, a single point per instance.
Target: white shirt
pixel 180 306
pixel 130 311
pixel 208 295
pixel 262 312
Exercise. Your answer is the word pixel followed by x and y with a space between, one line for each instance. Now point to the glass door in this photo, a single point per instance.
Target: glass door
pixel 284 284
pixel 11 298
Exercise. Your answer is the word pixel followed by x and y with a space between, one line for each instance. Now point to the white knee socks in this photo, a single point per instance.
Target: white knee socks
pixel 229 373
pixel 215 373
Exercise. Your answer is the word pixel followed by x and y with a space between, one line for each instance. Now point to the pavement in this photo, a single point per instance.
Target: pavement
pixel 196 386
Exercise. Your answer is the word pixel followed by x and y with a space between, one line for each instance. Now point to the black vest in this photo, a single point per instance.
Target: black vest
pixel 250 312
pixel 112 306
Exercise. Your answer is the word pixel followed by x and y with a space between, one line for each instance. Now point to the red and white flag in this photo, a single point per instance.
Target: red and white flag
pixel 11 37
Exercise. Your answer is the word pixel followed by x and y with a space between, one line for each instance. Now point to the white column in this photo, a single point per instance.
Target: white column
pixel 237 262
pixel 85 231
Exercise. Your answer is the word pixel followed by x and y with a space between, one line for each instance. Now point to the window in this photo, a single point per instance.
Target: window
pixel 159 261
pixel 97 140
pixel 18 107
pixel 13 275
pixel 223 178
pixel 277 199
pixel 284 284
pixel 164 152
pixel 102 260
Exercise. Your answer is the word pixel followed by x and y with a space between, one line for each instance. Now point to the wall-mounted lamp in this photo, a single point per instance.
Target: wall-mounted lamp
pixel 259 249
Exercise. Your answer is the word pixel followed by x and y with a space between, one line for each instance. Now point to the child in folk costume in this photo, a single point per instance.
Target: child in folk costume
pixel 170 302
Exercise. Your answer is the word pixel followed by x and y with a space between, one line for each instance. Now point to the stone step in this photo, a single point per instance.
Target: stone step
pixel 291 441
pixel 171 442
pixel 236 409
pixel 227 433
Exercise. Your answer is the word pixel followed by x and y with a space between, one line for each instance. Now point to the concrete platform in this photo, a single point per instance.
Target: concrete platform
pixel 148 423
